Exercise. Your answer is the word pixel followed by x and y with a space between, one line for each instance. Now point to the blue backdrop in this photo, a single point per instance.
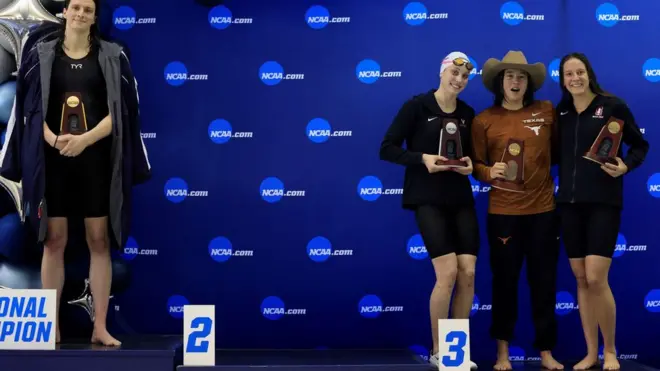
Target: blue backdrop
pixel 263 121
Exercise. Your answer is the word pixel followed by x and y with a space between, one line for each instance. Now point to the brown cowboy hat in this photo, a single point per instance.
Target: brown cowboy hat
pixel 513 59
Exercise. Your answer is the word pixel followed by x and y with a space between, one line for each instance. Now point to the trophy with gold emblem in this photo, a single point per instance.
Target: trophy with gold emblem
pixel 73 119
pixel 605 147
pixel 514 176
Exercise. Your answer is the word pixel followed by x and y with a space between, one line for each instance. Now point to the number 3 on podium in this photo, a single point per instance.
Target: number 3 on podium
pixel 199 335
pixel 454 347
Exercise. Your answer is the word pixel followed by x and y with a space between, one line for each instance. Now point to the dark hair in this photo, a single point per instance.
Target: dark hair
pixel 498 88
pixel 593 81
pixel 94 31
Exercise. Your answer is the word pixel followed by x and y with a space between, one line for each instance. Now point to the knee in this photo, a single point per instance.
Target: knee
pixel 447 277
pixel 596 283
pixel 581 280
pixel 466 276
pixel 55 243
pixel 97 243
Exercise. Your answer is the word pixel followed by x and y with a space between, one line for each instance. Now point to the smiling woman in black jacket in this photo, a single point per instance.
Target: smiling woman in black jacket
pixel 590 196
pixel 439 195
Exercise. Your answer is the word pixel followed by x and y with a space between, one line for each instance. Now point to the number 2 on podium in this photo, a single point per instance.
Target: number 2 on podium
pixel 205 324
pixel 458 349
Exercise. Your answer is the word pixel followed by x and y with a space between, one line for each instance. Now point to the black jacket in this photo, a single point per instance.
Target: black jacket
pixel 418 124
pixel 581 180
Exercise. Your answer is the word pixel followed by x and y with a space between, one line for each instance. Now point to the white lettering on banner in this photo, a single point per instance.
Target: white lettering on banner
pixel 133 20
pixel 199 335
pixel 27 319
pixel 228 20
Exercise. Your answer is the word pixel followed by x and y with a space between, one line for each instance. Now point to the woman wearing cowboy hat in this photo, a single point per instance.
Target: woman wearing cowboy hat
pixel 521 220
pixel 440 196
pixel 590 196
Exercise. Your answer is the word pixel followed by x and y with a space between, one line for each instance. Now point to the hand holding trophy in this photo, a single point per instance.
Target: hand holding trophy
pixel 450 145
pixel 73 120
pixel 513 172
pixel 72 125
pixel 606 146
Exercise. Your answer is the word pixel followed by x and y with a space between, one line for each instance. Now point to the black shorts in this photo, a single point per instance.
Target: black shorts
pixel 448 229
pixel 589 229
pixel 78 186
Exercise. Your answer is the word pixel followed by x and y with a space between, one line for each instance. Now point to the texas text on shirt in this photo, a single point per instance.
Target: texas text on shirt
pixel 418 123
pixel 588 182
pixel 535 125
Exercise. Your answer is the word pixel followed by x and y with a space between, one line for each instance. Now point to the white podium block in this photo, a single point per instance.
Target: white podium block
pixel 199 335
pixel 454 345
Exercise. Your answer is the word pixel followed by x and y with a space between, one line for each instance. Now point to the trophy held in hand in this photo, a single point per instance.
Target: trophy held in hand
pixel 73 119
pixel 514 176
pixel 605 147
pixel 450 144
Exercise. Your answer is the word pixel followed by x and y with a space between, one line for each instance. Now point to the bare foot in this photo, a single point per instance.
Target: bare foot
pixel 104 338
pixel 550 363
pixel 503 364
pixel 610 361
pixel 588 362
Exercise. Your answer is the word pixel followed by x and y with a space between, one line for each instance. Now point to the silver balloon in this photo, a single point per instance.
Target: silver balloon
pixel 16 20
pixel 86 301
pixel 29 11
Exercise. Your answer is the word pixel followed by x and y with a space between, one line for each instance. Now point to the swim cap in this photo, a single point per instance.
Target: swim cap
pixel 449 59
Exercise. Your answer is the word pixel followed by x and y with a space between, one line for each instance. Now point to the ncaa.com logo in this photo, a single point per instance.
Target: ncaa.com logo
pixel 220 17
pixel 416 247
pixel 273 308
pixel 272 190
pixel 318 17
pixel 477 187
pixel 653 185
pixel 421 351
pixel 124 18
pixel 652 301
pixel 319 131
pixel 132 250
pixel 564 303
pixel 368 71
pixel 370 188
pixel 220 131
pixel 553 68
pixel 415 14
pixel 513 14
pixel 176 74
pixel 175 305
pixel 475 71
pixel 622 246
pixel 176 190
pixel 319 249
pixel 370 306
pixel 618 354
pixel 517 354
pixel 651 69
pixel 221 249
pixel 272 73
pixel 608 15
pixel 478 307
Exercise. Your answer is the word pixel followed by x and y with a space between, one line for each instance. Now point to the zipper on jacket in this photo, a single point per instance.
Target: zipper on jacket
pixel 575 147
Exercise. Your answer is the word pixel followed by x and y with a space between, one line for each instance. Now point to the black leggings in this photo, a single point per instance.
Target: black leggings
pixel 589 229
pixel 512 238
pixel 448 229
